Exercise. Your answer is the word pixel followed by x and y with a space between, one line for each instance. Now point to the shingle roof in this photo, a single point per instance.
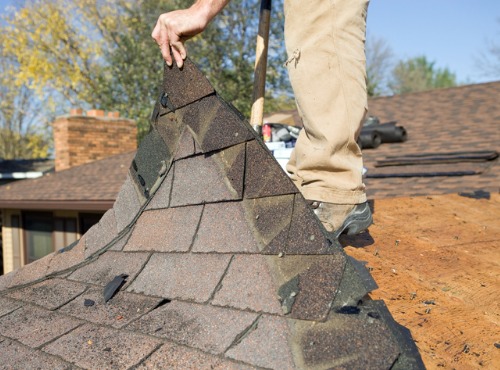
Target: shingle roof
pixel 459 119
pixel 224 265
pixel 90 186
pixel 464 118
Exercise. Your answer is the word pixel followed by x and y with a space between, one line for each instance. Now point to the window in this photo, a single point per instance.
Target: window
pixel 87 220
pixel 37 235
pixel 64 232
pixel 44 233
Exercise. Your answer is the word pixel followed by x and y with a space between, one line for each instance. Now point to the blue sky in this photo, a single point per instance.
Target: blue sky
pixel 448 32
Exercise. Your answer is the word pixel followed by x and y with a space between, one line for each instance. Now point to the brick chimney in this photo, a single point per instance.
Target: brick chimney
pixel 80 138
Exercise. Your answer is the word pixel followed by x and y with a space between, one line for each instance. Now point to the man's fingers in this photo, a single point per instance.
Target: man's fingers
pixel 164 46
pixel 169 35
pixel 179 53
pixel 156 32
pixel 178 59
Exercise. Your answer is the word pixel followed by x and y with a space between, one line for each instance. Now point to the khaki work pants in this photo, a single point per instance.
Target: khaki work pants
pixel 325 42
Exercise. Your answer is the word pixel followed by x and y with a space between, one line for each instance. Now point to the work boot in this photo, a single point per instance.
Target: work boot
pixel 340 219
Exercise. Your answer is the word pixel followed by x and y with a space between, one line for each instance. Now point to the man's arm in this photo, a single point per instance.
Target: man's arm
pixel 174 28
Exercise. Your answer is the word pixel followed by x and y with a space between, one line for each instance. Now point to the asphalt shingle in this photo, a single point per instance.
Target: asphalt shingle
pixel 169 230
pixel 211 329
pixel 173 356
pixel 196 170
pixel 97 347
pixel 119 311
pixel 266 345
pixel 35 326
pixel 463 118
pixel 18 356
pixel 184 276
pixel 225 263
pixel 185 86
pixel 248 285
pixel 109 265
pixel 8 305
pixel 67 259
pixel 50 294
pixel 215 124
pixel 161 199
pixel 101 234
pixel 127 205
pixel 224 229
pixel 263 175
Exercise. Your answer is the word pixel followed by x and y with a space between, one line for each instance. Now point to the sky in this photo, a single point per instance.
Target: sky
pixel 450 33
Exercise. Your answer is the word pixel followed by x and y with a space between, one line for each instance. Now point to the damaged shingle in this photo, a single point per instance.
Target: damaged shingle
pixel 113 286
pixel 209 256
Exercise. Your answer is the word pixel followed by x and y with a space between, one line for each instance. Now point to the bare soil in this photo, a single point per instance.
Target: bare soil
pixel 436 260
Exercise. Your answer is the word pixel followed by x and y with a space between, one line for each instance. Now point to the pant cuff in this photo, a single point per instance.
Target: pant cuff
pixel 334 195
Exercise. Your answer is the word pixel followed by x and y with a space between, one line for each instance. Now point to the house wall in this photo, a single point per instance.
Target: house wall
pixel 12 257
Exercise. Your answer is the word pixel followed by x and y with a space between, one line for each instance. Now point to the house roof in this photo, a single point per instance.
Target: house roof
pixel 446 122
pixel 443 121
pixel 209 258
pixel 91 186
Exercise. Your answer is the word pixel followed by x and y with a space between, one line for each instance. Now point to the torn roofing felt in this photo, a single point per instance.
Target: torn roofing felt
pixel 219 259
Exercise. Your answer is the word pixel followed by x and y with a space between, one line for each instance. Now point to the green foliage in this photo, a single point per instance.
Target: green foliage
pixel 100 54
pixel 13 145
pixel 23 132
pixel 418 74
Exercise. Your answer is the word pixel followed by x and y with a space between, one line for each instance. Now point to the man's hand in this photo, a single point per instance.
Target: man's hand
pixel 174 28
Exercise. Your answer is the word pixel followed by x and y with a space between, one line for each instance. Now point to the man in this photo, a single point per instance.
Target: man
pixel 326 64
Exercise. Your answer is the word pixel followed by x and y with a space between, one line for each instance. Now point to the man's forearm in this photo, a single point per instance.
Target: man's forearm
pixel 209 8
pixel 174 28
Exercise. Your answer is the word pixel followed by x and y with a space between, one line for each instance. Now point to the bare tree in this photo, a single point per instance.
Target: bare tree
pixel 488 62
pixel 379 61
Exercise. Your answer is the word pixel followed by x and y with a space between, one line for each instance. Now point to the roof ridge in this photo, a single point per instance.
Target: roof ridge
pixel 436 90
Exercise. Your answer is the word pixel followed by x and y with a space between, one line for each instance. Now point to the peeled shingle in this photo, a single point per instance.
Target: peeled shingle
pixel 101 234
pixel 215 124
pixel 227 264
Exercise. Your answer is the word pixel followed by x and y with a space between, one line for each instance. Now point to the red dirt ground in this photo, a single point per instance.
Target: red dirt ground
pixel 436 260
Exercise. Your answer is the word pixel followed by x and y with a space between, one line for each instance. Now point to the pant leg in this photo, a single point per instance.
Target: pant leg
pixel 327 68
